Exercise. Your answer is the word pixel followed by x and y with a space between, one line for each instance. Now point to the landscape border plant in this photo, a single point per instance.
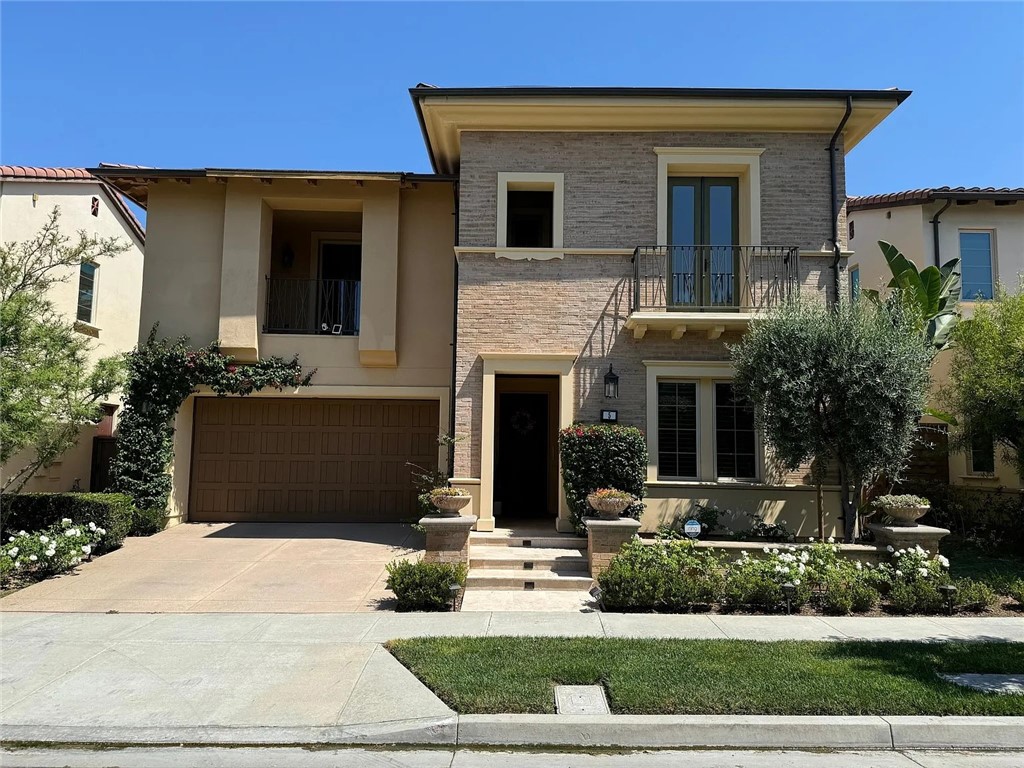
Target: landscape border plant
pixel 162 374
pixel 424 586
pixel 36 511
pixel 673 575
pixel 602 456
pixel 54 549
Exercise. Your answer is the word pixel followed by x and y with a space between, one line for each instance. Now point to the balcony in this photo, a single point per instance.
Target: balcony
pixel 320 307
pixel 716 288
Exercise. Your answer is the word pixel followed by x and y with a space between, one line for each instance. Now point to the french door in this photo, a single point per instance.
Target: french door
pixel 703 230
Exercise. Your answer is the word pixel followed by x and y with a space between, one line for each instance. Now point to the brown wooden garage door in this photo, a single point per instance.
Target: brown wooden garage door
pixel 285 459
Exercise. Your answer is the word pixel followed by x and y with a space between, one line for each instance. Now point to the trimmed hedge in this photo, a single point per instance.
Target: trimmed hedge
pixel 36 511
pixel 423 586
pixel 602 456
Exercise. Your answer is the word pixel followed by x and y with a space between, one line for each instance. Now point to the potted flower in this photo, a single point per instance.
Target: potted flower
pixel 904 509
pixel 609 503
pixel 448 501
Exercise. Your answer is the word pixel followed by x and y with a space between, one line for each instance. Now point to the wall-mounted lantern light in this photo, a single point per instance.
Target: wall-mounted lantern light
pixel 611 384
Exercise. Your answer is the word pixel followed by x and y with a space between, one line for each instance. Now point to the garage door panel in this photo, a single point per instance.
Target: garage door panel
pixel 309 459
pixel 334 473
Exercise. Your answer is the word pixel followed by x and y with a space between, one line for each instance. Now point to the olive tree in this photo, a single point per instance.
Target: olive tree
pixel 842 386
pixel 986 377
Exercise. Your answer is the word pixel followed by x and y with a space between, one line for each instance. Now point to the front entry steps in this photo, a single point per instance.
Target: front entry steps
pixel 517 559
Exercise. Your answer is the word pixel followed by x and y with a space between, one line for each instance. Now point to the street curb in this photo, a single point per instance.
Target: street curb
pixel 580 731
pixel 432 730
pixel 658 731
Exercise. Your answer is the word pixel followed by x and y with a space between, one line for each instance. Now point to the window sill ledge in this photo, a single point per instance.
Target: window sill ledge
pixel 87 329
pixel 985 478
pixel 737 484
pixel 541 254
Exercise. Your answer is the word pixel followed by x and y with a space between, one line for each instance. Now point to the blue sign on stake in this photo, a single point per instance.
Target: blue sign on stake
pixel 692 529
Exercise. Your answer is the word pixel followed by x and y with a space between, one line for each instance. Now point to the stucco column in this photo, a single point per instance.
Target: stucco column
pixel 447 538
pixel 247 224
pixel 604 540
pixel 378 313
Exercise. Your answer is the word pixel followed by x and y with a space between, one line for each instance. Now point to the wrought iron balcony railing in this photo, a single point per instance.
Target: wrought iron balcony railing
pixel 713 278
pixel 298 305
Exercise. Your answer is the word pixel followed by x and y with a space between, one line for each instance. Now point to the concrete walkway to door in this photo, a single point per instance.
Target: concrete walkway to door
pixel 234 568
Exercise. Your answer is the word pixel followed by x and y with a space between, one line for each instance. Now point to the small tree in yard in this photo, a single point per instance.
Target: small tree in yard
pixel 48 389
pixel 843 385
pixel 986 378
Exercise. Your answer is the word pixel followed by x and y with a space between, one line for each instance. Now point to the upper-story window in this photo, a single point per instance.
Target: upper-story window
pixel 529 210
pixel 854 283
pixel 530 218
pixel 982 456
pixel 976 264
pixel 703 228
pixel 87 274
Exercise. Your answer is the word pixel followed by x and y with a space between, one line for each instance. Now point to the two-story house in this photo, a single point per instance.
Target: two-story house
pixel 609 244
pixel 102 297
pixel 984 228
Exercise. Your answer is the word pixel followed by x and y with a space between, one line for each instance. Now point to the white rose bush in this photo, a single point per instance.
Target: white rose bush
pixel 47 552
pixel 673 576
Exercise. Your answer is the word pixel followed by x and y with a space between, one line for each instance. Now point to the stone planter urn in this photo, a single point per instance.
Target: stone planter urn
pixel 608 509
pixel 449 506
pixel 907 515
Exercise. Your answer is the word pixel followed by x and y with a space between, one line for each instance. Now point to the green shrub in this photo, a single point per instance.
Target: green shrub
pixel 422 586
pixel 54 549
pixel 602 456
pixel 974 596
pixel 670 576
pixel 847 590
pixel 705 514
pixel 37 511
pixel 757 582
pixel 1016 591
pixel 917 596
pixel 146 522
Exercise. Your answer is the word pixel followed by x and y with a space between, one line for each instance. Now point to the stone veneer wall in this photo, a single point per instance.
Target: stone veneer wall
pixel 578 304
pixel 611 183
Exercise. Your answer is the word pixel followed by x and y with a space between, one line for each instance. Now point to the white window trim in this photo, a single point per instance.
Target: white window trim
pixel 972 472
pixel 849 275
pixel 994 262
pixel 555 182
pixel 743 163
pixel 700 432
pixel 91 322
pixel 758 443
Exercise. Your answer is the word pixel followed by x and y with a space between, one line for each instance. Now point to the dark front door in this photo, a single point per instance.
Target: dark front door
pixel 526 464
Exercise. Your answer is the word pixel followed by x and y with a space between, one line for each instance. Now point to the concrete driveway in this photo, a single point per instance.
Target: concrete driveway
pixel 234 568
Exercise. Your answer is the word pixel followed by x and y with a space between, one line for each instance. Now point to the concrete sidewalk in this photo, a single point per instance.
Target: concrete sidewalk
pixel 295 757
pixel 305 679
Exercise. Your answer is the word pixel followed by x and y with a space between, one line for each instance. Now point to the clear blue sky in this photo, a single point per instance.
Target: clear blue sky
pixel 324 85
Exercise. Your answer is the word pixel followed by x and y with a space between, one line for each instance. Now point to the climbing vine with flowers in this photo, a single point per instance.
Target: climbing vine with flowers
pixel 162 373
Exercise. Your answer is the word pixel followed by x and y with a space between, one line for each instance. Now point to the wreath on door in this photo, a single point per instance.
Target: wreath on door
pixel 523 422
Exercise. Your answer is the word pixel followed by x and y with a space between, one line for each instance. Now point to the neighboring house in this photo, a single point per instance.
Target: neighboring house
pixel 984 228
pixel 598 233
pixel 102 298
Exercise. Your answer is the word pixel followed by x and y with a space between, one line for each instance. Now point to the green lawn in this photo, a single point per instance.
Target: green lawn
pixel 998 569
pixel 508 674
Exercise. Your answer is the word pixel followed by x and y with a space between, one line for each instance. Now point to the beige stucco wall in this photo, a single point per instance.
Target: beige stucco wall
pixel 117 297
pixel 909 228
pixel 232 244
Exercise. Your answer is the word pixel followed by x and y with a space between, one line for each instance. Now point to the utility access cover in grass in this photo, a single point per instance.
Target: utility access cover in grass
pixel 580 700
